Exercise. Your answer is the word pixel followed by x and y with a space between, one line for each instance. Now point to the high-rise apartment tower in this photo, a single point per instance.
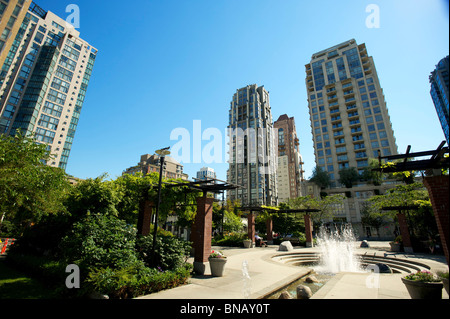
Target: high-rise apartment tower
pixel 439 80
pixel 349 118
pixel 290 163
pixel 44 77
pixel 252 148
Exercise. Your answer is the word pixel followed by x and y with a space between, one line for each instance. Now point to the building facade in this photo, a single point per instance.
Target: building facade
pixel 252 148
pixel 350 123
pixel 206 173
pixel 12 13
pixel 151 164
pixel 349 117
pixel 290 164
pixel 44 79
pixel 439 80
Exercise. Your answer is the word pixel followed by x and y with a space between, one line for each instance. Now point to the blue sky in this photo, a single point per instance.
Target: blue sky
pixel 163 64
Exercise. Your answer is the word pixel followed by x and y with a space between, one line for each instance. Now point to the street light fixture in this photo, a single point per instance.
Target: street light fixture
pixel 162 154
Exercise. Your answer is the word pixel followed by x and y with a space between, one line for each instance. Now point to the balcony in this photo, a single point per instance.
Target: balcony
pixel 335 110
pixel 349 100
pixel 335 118
pixel 331 90
pixel 333 104
pixel 332 98
pixel 357 138
pixel 356 130
pixel 361 155
pixel 342 158
pixel 353 114
pixel 348 93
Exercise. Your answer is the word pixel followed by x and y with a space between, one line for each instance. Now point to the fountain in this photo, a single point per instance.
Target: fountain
pixel 246 280
pixel 337 251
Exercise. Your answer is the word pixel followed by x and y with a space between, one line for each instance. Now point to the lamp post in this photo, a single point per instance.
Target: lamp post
pixel 162 154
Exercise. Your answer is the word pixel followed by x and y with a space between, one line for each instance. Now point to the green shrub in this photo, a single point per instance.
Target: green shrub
pixel 170 253
pixel 230 240
pixel 135 280
pixel 100 241
pixel 44 237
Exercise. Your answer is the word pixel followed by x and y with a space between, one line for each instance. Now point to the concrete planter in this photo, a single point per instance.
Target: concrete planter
pixel 423 290
pixel 217 266
pixel 248 243
pixel 445 282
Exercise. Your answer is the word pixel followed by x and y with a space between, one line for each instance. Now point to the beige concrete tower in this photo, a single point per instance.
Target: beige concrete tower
pixel 350 125
pixel 349 117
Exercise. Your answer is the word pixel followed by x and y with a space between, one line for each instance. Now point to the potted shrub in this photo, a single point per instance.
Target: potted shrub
pixel 217 261
pixel 396 245
pixel 444 277
pixel 248 243
pixel 423 285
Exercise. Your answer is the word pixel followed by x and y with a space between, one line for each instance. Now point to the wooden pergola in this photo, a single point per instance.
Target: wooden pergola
pixel 436 183
pixel 269 222
pixel 202 228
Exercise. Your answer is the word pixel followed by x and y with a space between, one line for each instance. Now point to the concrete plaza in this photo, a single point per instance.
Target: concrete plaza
pixel 268 275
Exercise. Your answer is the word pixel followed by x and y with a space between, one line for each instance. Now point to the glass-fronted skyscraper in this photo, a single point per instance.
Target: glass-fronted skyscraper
pixel 349 118
pixel 43 81
pixel 439 80
pixel 252 148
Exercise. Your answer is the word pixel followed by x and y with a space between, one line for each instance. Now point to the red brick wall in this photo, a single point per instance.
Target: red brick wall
pixel 202 229
pixel 145 217
pixel 269 229
pixel 438 191
pixel 308 229
pixel 404 231
pixel 251 226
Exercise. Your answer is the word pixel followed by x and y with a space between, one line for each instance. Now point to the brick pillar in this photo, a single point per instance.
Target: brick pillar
pixel 404 232
pixel 145 217
pixel 201 233
pixel 308 231
pixel 437 187
pixel 251 227
pixel 269 230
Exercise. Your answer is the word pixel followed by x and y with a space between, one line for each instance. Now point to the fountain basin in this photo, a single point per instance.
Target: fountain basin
pixel 313 260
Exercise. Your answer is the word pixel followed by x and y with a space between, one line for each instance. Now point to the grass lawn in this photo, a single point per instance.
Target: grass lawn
pixel 17 285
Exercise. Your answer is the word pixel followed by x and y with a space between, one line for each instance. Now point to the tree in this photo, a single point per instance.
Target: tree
pixel 420 213
pixel 93 196
pixel 231 222
pixel 326 206
pixel 348 176
pixel 375 219
pixel 371 176
pixel 29 189
pixel 132 191
pixel 320 177
pixel 400 196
